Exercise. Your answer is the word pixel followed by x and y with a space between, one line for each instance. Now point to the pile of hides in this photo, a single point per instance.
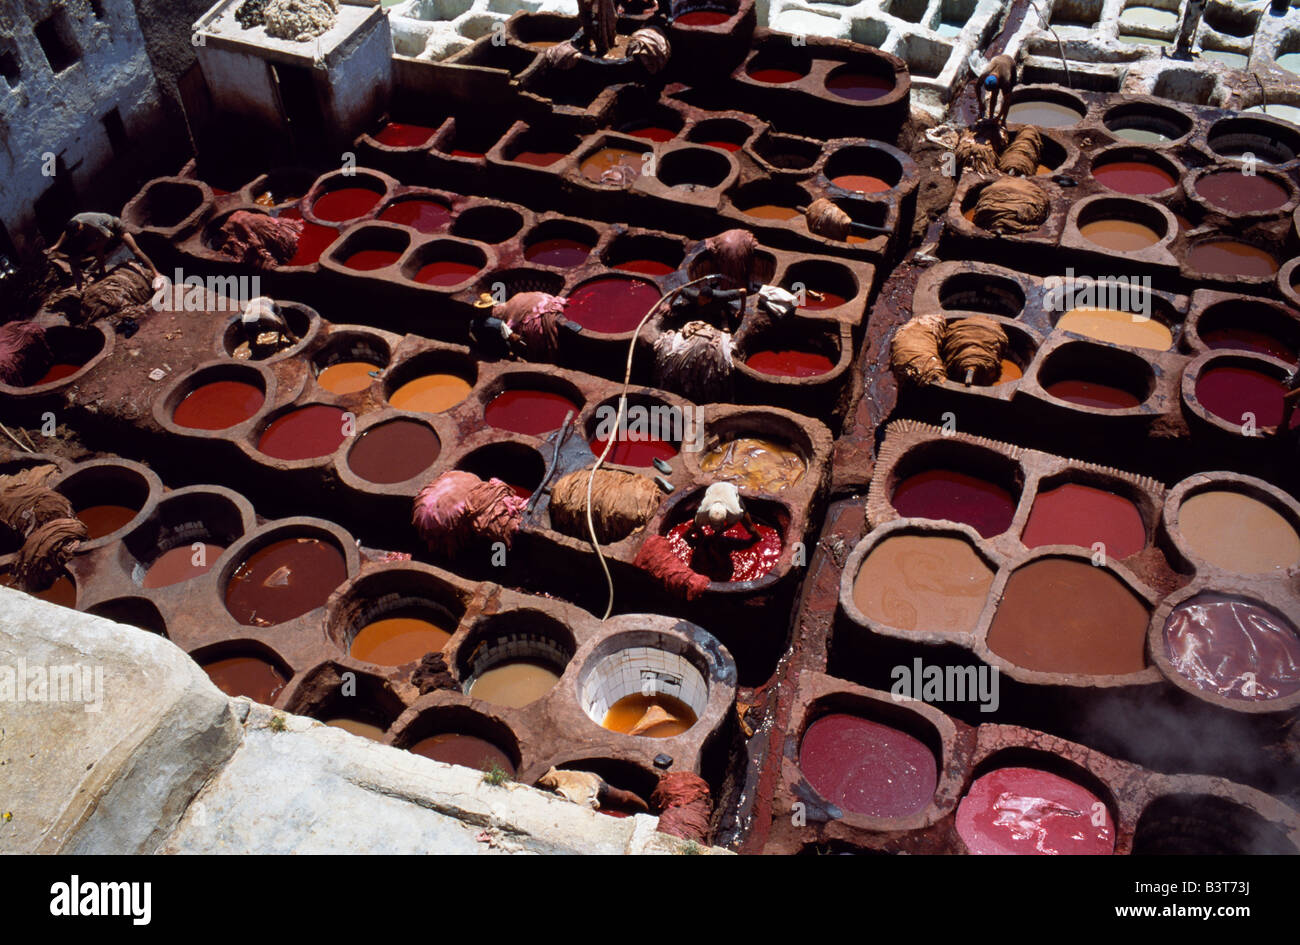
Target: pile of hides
pixel 826 219
pixel 534 317
pixel 123 293
pixel 251 13
pixel 1020 158
pixel 458 509
pixel 300 20
pixel 914 353
pixel 562 56
pixel 590 790
pixel 695 361
pixel 621 502
pixel 684 804
pixel 1011 205
pixel 656 558
pixel 259 239
pixel 651 49
pixel 975 155
pixel 433 675
pixel 927 349
pixel 23 351
pixel 45 522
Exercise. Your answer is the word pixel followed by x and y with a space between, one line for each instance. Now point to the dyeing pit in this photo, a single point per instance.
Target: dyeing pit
pixel 284 580
pixel 394 451
pixel 702 18
pixel 312 242
pixel 1118 328
pixel 849 83
pixel 1139 178
pixel 1146 123
pixel 1202 824
pixel 635 444
pixel 863 170
pixel 1246 339
pixel 644 691
pixel 348 377
pixel 923 582
pixel 218 405
pixel 1150 17
pixel 468 751
pixel 1233 647
pixel 517 660
pixel 251 676
pixel 771 211
pixel 105 497
pixel 358 727
pixel 444 263
pixel 649 132
pixel 398 134
pixel 644 255
pixel 1234 192
pixel 430 393
pixel 1092 375
pixel 1075 514
pixel 1238 533
pixel 1065 615
pixel 1122 236
pixel 691 169
pixel 947 494
pixel 182 538
pixel 346 203
pixel 518 466
pixel 539 150
pixel 766 200
pixel 1030 811
pixel 611 304
pixel 423 216
pixel 368 260
pixel 776 70
pixel 754 463
pixel 531 412
pixel 561 252
pixel 403 635
pixel 606 159
pixel 104 519
pixel 726 134
pixel 1231 258
pixel 868 768
pixel 182 563
pixel 1092 394
pixel 1230 392
pixel 305 433
pixel 1245 325
pixel 737 557
pixel 1044 113
pixel 790 363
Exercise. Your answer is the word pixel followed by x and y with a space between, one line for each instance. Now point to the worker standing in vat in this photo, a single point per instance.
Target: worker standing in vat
pixel 265 328
pixel 1289 400
pixel 720 509
pixel 998 78
pixel 98 235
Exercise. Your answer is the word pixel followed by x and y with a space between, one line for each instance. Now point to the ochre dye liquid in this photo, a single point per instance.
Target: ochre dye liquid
pixel 246 676
pixel 923 582
pixel 218 405
pixel 357 727
pixel 423 216
pixel 400 135
pixel 1238 533
pixel 1234 648
pixel 1025 811
pixel 946 494
pixel 1245 339
pixel 531 412
pixel 754 463
pixel 859 87
pixel 734 558
pixel 514 684
pixel 305 433
pixel 1231 258
pixel 1010 372
pixel 560 252
pixel 1234 192
pixel 346 203
pixel 1117 328
pixel 1231 393
pixel 1123 236
pixel 1133 177
pixel 1075 514
pixel 1093 394
pixel 611 304
pixel 432 393
pixel 790 363
pixel 368 260
pixel 445 272
pixel 468 751
pixel 607 159
pixel 347 377
pixel 284 580
pixel 394 641
pixel 1063 615
pixel 771 211
pixel 862 183
pixel 631 712
pixel 868 768
pixel 394 451
pixel 101 520
pixel 182 563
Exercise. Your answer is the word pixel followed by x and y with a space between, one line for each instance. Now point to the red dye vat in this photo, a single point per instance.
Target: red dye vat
pixel 651 133
pixel 858 86
pixel 424 216
pixel 956 497
pixel 775 76
pixel 724 145
pixel 561 252
pixel 465 750
pixel 218 405
pixel 868 768
pixel 1133 177
pixel 1027 811
pixel 1233 648
pixel 532 412
pixel 57 372
pixel 313 241
pixel 538 158
pixel 646 267
pixel 177 565
pixel 735 558
pixel 1231 392
pixel 1244 339
pixel 394 451
pixel 368 259
pixel 445 272
pixel 790 363
pixel 305 433
pixel 346 203
pixel 1093 394
pixel 396 134
pixel 284 580
pixel 466 153
pixel 702 18
pixel 1075 514
pixel 611 304
pixel 635 449
pixel 246 676
pixel 818 301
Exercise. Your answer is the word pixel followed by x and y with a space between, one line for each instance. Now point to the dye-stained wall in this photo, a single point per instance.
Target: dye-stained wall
pixel 77 96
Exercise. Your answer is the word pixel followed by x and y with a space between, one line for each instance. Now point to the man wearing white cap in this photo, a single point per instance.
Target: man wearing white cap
pixel 720 509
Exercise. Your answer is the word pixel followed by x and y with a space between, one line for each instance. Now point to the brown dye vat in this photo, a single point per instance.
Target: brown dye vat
pixel 284 580
pixel 246 676
pixel 347 377
pixel 1236 532
pixel 1075 514
pixel 862 183
pixel 1236 193
pixel 754 463
pixel 218 405
pixel 1234 648
pixel 1123 236
pixel 1133 177
pixel 654 716
pixel 1231 258
pixel 1012 811
pixel 467 751
pixel 923 582
pixel 1093 394
pixel 1117 328
pixel 514 684
pixel 609 158
pixel 358 727
pixel 394 451
pixel 432 393
pixel 101 520
pixel 181 564
pixel 1061 615
pixel 397 640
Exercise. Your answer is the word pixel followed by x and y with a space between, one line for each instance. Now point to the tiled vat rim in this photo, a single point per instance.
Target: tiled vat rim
pixel 1005 554
pixel 1133 794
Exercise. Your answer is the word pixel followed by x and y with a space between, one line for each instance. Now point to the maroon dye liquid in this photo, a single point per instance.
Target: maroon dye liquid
pixel 394 451
pixel 424 216
pixel 532 412
pixel 305 433
pixel 284 580
pixel 1231 392
pixel 790 363
pixel 867 768
pixel 732 559
pixel 396 134
pixel 561 252
pixel 1133 177
pixel 1244 339
pixel 956 497
pixel 612 304
pixel 859 87
pixel 702 18
pixel 1027 811
pixel 346 203
pixel 1075 514
pixel 1093 394
pixel 445 272
pixel 369 259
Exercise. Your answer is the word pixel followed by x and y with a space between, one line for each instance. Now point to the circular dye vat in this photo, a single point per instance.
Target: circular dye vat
pixel 564 253
pixel 514 684
pixel 347 377
pixel 1093 394
pixel 651 133
pixel 246 676
pixel 1234 192
pixel 1231 258
pixel 1043 113
pixel 1289 113
pixel 635 449
pixel 862 183
pixel 394 451
pixel 182 563
pixel 818 301
pixel 1118 328
pixel 1133 177
pixel 1010 371
pixel 736 558
pixel 651 716
pixel 396 640
pixel 464 750
pixel 57 372
pixel 357 727
pixel 368 260
pixel 397 134
pixel 1246 339
pixel 1062 615
pixel 1233 647
pixel 539 158
pixel 218 405
pixel 702 18
pixel 607 159
pixel 731 146
pixel 611 304
pixel 867 768
pixel 858 86
pixel 346 203
pixel 956 497
pixel 754 463
pixel 790 363
pixel 424 216
pixel 1075 514
pixel 1233 531
pixel 1019 811
pixel 1122 236
pixel 101 520
pixel 1140 136
pixel 773 76
pixel 1153 17
pixel 531 412
pixel 445 272
pixel 431 393
pixel 771 211
pixel 305 433
pixel 923 582
pixel 1231 392
pixel 312 242
pixel 645 267
pixel 284 580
